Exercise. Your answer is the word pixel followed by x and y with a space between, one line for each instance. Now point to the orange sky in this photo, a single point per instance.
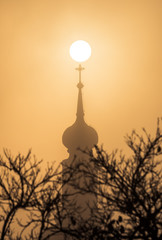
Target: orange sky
pixel 122 79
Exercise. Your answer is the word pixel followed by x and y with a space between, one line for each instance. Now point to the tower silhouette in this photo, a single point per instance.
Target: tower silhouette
pixel 76 139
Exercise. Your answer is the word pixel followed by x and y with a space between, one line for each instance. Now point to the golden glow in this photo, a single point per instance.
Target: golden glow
pixel 80 51
pixel 122 81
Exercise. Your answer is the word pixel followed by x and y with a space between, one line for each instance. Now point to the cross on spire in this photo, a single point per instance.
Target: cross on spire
pixel 80 69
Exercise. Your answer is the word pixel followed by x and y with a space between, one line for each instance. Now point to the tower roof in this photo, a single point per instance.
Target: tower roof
pixel 79 135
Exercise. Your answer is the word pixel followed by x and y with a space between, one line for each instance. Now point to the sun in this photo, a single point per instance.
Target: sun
pixel 80 51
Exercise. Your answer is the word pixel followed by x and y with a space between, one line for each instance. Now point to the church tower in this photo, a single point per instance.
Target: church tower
pixel 76 137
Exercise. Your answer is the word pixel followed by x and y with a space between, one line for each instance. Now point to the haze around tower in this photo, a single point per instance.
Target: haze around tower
pixel 38 95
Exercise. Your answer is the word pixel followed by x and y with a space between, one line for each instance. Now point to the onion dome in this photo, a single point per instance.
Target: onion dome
pixel 79 135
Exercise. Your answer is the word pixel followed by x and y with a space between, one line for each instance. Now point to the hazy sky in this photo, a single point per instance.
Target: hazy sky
pixel 122 79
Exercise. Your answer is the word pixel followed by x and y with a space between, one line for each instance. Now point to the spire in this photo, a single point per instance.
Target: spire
pixel 80 111
pixel 79 135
